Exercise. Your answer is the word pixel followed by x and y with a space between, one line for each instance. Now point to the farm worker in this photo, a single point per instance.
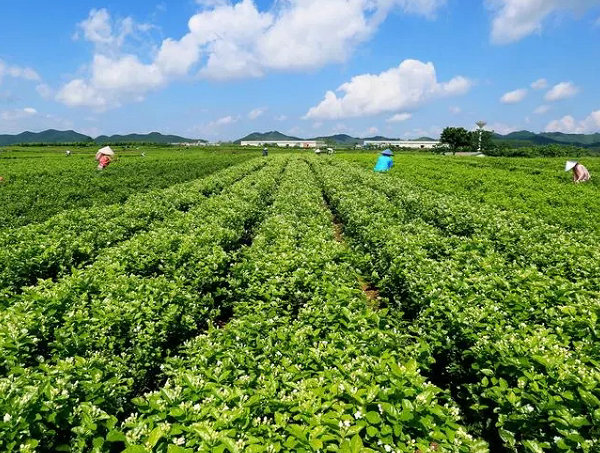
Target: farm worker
pixel 330 151
pixel 580 173
pixel 317 151
pixel 384 162
pixel 104 157
pixel 265 151
pixel 68 152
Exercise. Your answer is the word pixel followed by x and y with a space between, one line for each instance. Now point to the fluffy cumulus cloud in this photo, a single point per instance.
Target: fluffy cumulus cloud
pixel 570 125
pixel 563 90
pixel 228 40
pixel 516 19
pixel 404 87
pixel 514 97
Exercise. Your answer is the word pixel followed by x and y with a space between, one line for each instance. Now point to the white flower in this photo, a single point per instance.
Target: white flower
pixel 387 448
pixel 7 418
pixel 358 414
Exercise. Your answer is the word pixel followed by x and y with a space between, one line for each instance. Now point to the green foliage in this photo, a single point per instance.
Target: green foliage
pixel 229 314
pixel 540 151
pixel 456 138
pixel 38 185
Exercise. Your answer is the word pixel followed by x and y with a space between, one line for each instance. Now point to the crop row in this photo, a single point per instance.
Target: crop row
pixel 533 256
pixel 74 238
pixel 304 365
pixel 531 186
pixel 515 342
pixel 39 185
pixel 100 335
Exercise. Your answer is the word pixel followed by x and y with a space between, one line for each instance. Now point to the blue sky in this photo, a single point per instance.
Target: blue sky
pixel 219 69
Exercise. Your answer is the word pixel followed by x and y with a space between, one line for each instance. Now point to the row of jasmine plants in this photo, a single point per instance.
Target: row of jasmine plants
pixel 506 304
pixel 78 349
pixel 305 364
pixel 74 238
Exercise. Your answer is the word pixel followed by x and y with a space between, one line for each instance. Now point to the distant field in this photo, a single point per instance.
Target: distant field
pixel 299 303
pixel 539 186
pixel 40 182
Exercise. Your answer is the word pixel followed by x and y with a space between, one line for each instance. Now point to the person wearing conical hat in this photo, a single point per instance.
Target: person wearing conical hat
pixel 580 173
pixel 104 157
pixel 384 162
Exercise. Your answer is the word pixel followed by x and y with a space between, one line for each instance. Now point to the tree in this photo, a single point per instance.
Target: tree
pixel 456 138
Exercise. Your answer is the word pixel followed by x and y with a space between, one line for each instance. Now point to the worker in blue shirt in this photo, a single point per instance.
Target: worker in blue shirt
pixel 385 162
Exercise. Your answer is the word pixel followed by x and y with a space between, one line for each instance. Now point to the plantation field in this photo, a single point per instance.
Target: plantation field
pixel 42 182
pixel 304 303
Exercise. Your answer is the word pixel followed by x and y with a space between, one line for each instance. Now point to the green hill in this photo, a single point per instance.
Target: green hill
pixel 51 136
pixel 153 137
pixel 266 136
pixel 527 138
pixel 340 139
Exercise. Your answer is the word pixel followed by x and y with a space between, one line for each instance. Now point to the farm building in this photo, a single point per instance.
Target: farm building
pixel 421 144
pixel 285 143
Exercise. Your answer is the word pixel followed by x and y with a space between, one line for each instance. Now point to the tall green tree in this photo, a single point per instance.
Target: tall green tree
pixel 456 138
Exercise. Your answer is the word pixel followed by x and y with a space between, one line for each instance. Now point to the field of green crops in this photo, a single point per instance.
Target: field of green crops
pixel 218 301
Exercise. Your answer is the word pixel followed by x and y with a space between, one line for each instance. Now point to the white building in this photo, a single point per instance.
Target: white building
pixel 417 144
pixel 285 143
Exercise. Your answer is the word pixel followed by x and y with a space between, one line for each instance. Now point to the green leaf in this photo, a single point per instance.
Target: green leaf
pixel 115 436
pixel 373 418
pixel 356 444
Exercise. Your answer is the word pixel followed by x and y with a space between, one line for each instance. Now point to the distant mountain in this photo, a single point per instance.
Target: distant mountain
pixel 340 139
pixel 153 137
pixel 50 136
pixel 527 138
pixel 337 139
pixel 266 136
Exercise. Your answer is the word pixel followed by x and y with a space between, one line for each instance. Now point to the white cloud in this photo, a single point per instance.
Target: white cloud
pixel 224 121
pixel 515 19
pixel 539 84
pixel 563 90
pixel 17 114
pixel 542 109
pixel 255 113
pixel 112 81
pixel 229 40
pixel 108 35
pixel 569 125
pixel 455 110
pixel 405 87
pixel 514 97
pixel 281 118
pixel 17 72
pixel 399 117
